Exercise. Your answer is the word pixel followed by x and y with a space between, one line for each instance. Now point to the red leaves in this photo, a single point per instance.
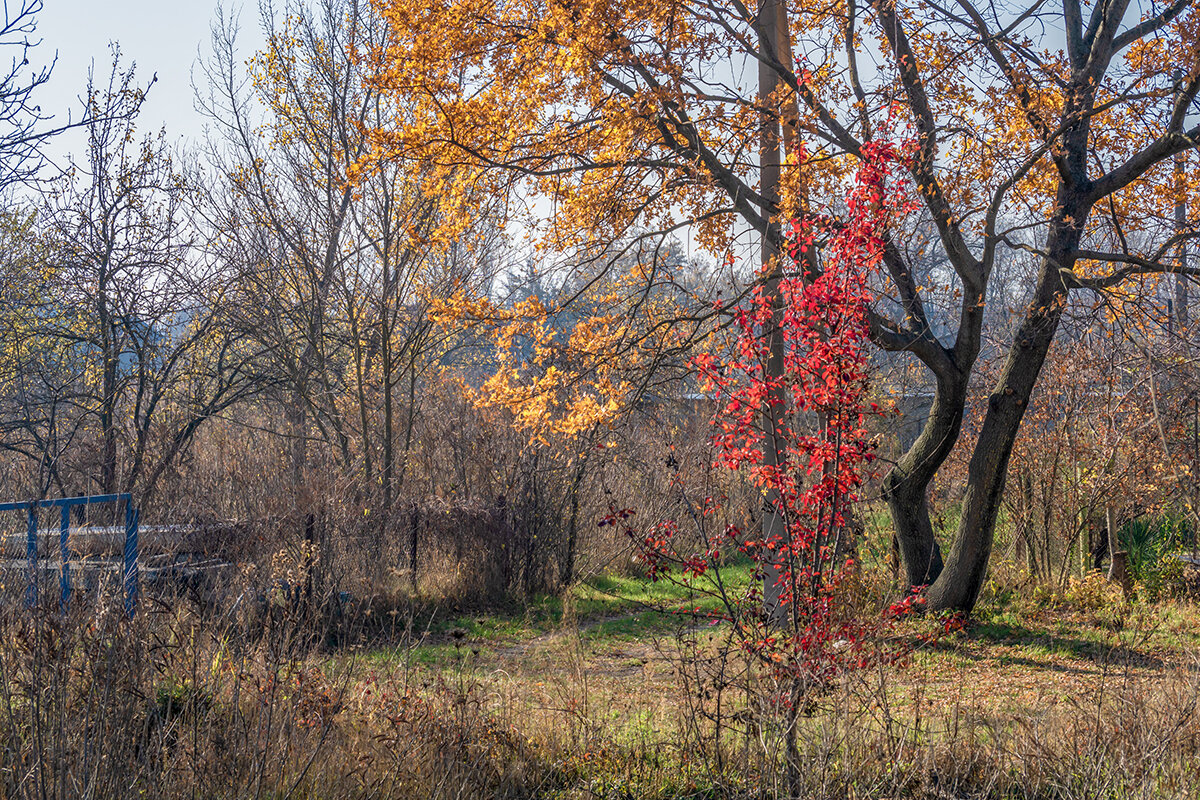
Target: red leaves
pixel 613 517
pixel 814 415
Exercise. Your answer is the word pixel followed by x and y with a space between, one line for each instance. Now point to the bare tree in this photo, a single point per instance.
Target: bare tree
pixel 135 303
pixel 335 280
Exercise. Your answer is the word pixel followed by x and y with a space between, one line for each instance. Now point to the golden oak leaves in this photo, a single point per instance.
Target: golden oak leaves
pixel 562 371
pixel 990 121
pixel 612 115
pixel 566 97
pixel 585 103
pixel 547 393
pixel 558 105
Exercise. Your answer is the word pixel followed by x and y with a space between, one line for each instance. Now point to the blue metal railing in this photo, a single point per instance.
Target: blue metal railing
pixel 129 580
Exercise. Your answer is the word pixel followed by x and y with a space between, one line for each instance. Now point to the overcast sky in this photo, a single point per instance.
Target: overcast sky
pixel 162 37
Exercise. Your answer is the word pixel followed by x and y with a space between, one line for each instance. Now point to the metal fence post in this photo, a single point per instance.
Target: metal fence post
pixel 131 557
pixel 64 580
pixel 31 593
pixel 130 577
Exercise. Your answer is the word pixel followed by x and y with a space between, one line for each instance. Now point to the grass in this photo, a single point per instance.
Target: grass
pixel 609 664
pixel 602 607
pixel 613 594
pixel 1033 669
pixel 1014 652
pixel 594 696
pixel 1014 640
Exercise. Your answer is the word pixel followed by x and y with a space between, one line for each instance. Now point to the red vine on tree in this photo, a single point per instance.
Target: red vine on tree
pixel 820 407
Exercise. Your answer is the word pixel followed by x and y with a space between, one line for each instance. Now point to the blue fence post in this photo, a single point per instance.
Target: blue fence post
pixel 31 593
pixel 131 557
pixel 64 580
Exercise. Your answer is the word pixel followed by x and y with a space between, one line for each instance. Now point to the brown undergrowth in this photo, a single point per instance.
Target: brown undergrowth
pixel 1064 697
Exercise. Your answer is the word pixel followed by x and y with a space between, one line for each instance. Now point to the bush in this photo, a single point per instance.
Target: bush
pixel 1151 544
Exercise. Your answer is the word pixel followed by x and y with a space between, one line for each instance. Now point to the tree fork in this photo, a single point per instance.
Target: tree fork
pixel 957 587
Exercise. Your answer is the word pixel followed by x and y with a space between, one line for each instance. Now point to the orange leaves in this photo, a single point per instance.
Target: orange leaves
pixel 555 101
pixel 550 380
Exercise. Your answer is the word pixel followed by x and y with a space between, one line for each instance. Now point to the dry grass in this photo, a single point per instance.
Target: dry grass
pixel 1062 699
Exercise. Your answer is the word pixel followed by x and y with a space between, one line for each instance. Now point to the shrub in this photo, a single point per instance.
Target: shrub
pixel 1151 544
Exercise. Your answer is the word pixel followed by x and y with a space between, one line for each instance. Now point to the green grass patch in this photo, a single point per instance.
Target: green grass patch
pixel 604 607
pixel 608 594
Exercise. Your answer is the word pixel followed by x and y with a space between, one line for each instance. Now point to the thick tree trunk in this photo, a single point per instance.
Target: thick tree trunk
pixel 906 486
pixel 957 588
pixel 920 553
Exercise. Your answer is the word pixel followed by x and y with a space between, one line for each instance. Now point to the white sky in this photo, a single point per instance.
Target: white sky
pixel 162 37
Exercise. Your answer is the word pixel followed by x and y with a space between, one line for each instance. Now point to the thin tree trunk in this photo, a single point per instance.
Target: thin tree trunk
pixel 774 525
pixel 792 737
pixel 388 432
pixel 567 569
pixel 298 439
pixel 414 530
pixel 110 355
pixel 1081 512
pixel 1181 280
pixel 108 427
pixel 1118 565
pixel 361 366
pixel 1031 559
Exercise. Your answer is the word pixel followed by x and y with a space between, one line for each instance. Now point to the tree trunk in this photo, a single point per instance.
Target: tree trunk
pixel 774 525
pixel 388 432
pixel 414 540
pixel 1031 559
pixel 1118 564
pixel 957 588
pixel 906 486
pixel 1181 280
pixel 298 440
pixel 566 572
pixel 108 426
pixel 110 354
